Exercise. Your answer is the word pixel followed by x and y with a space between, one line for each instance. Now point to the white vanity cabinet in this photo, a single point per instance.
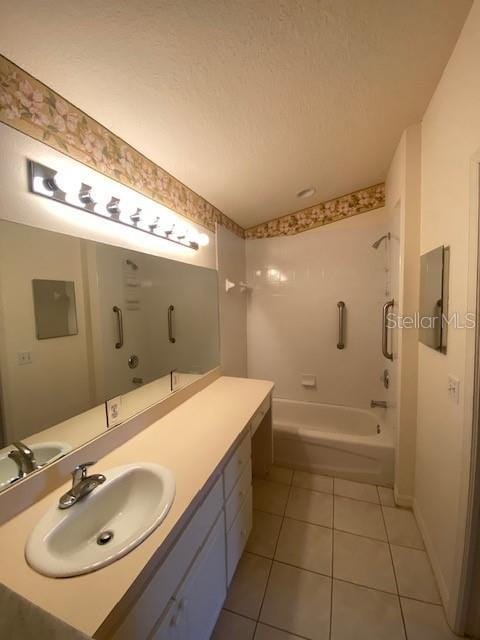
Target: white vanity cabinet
pixel 193 612
pixel 184 597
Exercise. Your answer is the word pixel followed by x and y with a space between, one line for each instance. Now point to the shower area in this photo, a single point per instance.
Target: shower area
pixel 318 325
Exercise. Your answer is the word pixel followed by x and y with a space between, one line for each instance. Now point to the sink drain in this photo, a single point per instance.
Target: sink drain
pixel 104 537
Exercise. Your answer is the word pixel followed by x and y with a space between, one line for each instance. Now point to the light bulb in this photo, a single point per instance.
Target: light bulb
pixel 202 239
pixel 67 182
pixel 70 184
pixel 101 197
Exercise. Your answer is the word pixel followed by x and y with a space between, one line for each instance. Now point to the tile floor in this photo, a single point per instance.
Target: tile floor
pixel 330 559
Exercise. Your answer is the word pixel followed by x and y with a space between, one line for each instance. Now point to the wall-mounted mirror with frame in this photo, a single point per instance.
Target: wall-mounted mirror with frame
pixel 83 322
pixel 433 314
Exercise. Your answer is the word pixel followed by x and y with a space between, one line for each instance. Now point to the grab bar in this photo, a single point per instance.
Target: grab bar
pixel 388 305
pixel 171 337
pixel 118 311
pixel 341 325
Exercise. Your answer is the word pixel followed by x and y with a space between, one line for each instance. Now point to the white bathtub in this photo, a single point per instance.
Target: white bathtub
pixel 333 440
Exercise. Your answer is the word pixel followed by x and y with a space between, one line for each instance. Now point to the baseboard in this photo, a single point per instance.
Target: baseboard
pixel 402 500
pixel 442 586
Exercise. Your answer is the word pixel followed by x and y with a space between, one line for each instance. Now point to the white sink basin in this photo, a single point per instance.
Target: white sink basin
pixel 130 504
pixel 44 452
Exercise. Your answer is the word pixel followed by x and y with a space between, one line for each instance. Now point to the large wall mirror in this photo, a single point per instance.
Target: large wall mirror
pixel 82 322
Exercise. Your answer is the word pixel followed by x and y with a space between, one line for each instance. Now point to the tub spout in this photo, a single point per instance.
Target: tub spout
pixel 378 403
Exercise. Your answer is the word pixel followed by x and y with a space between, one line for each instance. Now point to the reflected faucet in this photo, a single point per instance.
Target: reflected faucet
pixel 82 485
pixel 378 403
pixel 24 458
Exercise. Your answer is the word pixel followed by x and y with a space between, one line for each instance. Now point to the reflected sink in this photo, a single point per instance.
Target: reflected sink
pixel 44 452
pixel 105 525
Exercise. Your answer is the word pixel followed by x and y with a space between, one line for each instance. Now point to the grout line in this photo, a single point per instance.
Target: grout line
pixel 352 533
pixel 333 556
pixel 267 624
pixel 271 564
pixel 395 576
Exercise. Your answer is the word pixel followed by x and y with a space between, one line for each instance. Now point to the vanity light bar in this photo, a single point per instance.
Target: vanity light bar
pixel 69 190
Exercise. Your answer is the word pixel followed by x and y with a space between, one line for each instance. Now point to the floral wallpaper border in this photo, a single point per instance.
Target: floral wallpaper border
pixel 29 106
pixel 320 214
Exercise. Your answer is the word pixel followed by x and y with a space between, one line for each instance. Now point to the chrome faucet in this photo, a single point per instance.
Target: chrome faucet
pixel 82 485
pixel 378 403
pixel 24 458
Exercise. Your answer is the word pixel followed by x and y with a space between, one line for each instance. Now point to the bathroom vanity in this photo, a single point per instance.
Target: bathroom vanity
pixel 173 585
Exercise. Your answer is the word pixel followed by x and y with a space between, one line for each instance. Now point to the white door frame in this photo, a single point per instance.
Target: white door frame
pixel 462 615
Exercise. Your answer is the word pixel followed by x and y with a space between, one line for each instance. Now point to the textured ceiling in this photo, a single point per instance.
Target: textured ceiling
pixel 245 102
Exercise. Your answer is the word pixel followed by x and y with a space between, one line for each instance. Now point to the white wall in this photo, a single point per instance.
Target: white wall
pixel 232 305
pixel 450 145
pixel 292 319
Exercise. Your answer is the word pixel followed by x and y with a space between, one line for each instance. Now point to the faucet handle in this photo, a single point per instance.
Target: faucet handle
pixel 80 472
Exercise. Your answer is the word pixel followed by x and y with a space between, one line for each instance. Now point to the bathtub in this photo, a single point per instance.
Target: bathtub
pixel 333 440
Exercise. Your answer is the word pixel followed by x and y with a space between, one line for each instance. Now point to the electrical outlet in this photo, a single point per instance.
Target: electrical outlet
pixel 114 410
pixel 24 357
pixel 454 389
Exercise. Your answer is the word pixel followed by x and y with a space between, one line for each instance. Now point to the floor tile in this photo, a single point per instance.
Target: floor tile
pixel 231 626
pixel 270 496
pixel 280 474
pixel 356 490
pixel 313 481
pixel 363 561
pixel 264 536
pixel 361 518
pixel 269 633
pixel 425 621
pixel 298 601
pixel 386 496
pixel 248 586
pixel 305 545
pixel 414 574
pixel 310 506
pixel 359 613
pixel 402 528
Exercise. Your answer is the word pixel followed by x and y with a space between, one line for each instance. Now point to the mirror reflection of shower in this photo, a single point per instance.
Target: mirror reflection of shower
pixel 378 242
pixel 385 240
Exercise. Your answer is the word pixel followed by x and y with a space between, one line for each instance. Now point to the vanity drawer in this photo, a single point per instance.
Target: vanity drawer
pixel 238 535
pixel 236 464
pixel 259 414
pixel 153 600
pixel 238 495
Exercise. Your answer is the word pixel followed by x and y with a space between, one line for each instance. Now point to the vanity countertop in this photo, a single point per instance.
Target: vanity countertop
pixel 192 440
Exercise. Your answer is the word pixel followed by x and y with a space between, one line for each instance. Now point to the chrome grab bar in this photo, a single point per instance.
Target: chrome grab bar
pixel 388 305
pixel 171 337
pixel 341 325
pixel 118 312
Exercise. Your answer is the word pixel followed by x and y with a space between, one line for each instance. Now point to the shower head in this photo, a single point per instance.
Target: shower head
pixel 378 242
pixel 132 264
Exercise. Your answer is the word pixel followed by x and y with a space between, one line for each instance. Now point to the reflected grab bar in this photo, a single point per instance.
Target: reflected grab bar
pixel 341 325
pixel 388 305
pixel 118 312
pixel 171 337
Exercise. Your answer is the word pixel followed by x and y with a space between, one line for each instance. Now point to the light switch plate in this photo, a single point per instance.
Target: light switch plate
pixel 114 411
pixel 454 389
pixel 24 357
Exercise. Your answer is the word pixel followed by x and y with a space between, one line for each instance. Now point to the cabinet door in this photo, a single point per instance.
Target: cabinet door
pixel 172 626
pixel 193 612
pixel 204 591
